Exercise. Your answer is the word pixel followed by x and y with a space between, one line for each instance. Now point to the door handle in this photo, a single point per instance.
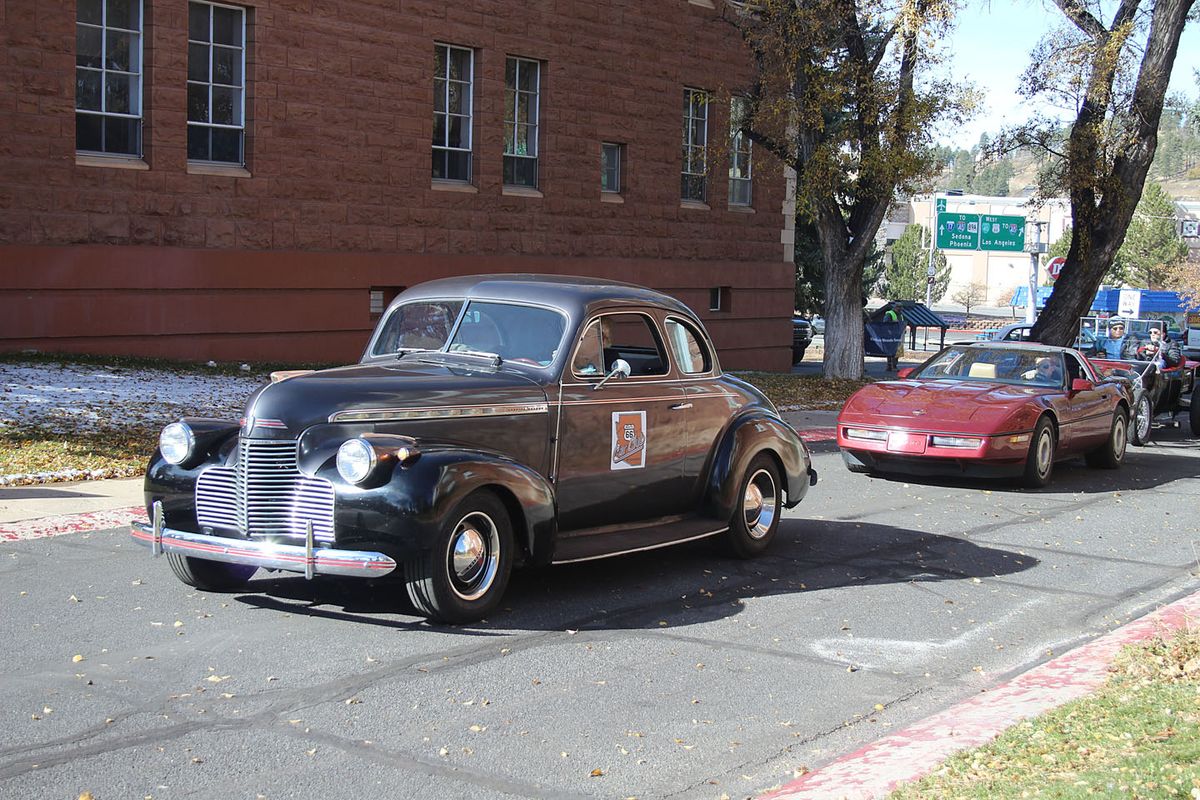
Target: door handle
pixel 681 406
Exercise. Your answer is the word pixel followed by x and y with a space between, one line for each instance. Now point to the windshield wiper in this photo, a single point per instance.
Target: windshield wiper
pixel 494 358
pixel 404 351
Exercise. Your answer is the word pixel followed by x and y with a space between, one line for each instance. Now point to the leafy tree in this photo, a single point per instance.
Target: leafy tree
pixel 1152 249
pixel 810 272
pixel 1090 68
pixel 906 276
pixel 836 97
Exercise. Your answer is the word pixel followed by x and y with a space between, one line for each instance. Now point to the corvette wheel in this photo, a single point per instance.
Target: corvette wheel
pixel 1112 453
pixel 1140 426
pixel 756 515
pixel 464 575
pixel 210 576
pixel 1039 464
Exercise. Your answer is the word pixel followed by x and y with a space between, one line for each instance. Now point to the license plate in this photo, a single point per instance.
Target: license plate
pixel 901 442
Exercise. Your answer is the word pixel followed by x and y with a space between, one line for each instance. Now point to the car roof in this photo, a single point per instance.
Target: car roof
pixel 573 294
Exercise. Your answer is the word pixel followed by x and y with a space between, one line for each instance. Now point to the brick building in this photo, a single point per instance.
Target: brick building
pixel 252 181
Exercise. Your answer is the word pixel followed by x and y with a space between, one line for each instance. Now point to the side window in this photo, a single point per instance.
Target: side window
pixel 631 337
pixel 1074 368
pixel 688 347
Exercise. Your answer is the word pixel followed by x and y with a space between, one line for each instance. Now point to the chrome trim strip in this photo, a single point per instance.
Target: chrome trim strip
pixel 644 549
pixel 268 555
pixel 925 432
pixel 439 412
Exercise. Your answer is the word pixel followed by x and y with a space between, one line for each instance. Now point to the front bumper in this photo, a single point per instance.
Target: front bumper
pixel 304 559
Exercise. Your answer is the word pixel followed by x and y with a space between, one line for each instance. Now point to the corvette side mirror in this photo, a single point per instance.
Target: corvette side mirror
pixel 904 373
pixel 1081 385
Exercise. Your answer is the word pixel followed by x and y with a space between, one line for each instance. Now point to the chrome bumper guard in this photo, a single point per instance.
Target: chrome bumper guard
pixel 304 558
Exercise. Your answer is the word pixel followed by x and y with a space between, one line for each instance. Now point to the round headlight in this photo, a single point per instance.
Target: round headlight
pixel 355 460
pixel 176 442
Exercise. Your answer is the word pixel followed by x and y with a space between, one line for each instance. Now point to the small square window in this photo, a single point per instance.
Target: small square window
pixel 611 166
pixel 718 298
pixel 381 297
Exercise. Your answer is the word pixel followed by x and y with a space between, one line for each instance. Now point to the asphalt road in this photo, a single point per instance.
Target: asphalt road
pixel 678 673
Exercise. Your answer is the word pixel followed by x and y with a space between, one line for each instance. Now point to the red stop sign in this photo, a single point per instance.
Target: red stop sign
pixel 1054 266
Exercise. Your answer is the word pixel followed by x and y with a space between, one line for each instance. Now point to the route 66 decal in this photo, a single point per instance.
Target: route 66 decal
pixel 628 439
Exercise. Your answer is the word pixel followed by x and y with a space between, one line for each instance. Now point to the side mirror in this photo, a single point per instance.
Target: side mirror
pixel 1081 385
pixel 620 369
pixel 904 373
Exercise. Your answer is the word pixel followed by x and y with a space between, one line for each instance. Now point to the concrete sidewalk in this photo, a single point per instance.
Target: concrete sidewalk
pixel 25 503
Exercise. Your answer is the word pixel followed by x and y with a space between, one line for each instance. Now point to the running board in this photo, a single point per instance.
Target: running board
pixel 590 546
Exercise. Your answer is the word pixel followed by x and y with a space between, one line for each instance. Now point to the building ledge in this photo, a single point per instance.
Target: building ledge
pixel 219 170
pixel 521 191
pixel 742 210
pixel 112 162
pixel 611 197
pixel 702 3
pixel 454 186
pixel 695 205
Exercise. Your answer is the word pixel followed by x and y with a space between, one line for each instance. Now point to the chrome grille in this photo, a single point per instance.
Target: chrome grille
pixel 264 494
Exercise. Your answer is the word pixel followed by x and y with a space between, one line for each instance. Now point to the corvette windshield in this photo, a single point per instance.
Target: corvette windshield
pixel 1009 366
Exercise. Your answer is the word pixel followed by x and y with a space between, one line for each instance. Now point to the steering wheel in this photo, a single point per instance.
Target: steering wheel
pixel 1147 351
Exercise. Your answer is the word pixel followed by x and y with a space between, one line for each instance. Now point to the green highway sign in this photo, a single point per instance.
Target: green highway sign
pixel 1006 234
pixel 957 231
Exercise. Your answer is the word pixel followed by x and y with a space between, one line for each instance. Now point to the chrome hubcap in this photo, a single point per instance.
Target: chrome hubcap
pixel 1045 450
pixel 1143 419
pixel 758 504
pixel 474 556
pixel 1119 437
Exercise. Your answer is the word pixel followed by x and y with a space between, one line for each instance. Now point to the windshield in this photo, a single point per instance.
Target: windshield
pixel 423 325
pixel 995 365
pixel 516 333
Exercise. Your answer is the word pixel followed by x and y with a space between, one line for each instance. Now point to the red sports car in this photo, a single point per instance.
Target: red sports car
pixel 988 408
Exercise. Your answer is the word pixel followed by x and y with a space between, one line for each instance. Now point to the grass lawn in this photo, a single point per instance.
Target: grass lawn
pixel 1137 737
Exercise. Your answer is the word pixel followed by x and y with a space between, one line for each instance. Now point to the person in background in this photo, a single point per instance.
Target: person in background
pixel 1114 341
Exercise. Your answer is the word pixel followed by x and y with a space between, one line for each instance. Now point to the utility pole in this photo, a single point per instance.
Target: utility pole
pixel 1034 247
pixel 936 204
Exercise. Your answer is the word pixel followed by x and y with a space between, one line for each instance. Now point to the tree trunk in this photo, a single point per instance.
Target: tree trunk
pixel 1103 205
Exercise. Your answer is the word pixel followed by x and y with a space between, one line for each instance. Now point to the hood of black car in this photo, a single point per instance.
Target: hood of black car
pixel 286 408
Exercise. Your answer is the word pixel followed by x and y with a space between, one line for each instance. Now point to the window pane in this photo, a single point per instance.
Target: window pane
pixel 439 62
pixel 89 132
pixel 456 136
pixel 510 73
pixel 520 171
pixel 525 105
pixel 460 65
pixel 456 98
pixel 439 129
pixel 510 106
pixel 227 66
pixel 527 79
pixel 439 95
pixel 87 46
pixel 124 14
pixel 198 62
pixel 117 99
pixel 439 164
pixel 227 26
pixel 117 56
pixel 90 11
pixel 227 145
pixel 458 166
pixel 87 89
pixel 521 143
pixel 198 143
pixel 122 135
pixel 510 139
pixel 198 21
pixel 225 106
pixel 197 103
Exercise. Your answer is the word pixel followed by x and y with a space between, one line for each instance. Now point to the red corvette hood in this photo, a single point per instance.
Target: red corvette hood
pixel 975 407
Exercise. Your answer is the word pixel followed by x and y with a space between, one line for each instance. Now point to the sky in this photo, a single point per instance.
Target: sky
pixel 991 46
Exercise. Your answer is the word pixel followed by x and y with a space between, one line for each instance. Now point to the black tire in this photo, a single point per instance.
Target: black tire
pixel 757 507
pixel 1039 464
pixel 1141 424
pixel 1112 452
pixel 855 464
pixel 210 576
pixel 798 355
pixel 463 577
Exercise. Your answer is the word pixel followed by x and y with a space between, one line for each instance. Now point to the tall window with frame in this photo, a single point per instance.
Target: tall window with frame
pixel 108 77
pixel 610 167
pixel 453 78
pixel 741 174
pixel 522 85
pixel 695 145
pixel 216 83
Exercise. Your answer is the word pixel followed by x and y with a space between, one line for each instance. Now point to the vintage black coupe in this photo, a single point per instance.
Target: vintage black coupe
pixel 493 422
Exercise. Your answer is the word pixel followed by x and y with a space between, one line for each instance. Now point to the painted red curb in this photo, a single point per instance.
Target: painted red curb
pixel 881 766
pixel 817 434
pixel 70 523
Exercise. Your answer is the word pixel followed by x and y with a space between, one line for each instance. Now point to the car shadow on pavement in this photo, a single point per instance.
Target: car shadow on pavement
pixel 673 587
pixel 1144 468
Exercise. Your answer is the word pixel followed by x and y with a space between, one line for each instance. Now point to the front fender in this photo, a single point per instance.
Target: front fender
pixel 755 432
pixel 409 510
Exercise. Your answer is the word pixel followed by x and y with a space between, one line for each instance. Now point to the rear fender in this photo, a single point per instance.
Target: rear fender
pixel 751 433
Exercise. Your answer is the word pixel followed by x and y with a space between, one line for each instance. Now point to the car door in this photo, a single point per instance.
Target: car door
pixel 706 399
pixel 1090 409
pixel 621 441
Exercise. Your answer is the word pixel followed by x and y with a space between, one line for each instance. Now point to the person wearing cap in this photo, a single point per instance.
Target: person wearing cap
pixel 1112 344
